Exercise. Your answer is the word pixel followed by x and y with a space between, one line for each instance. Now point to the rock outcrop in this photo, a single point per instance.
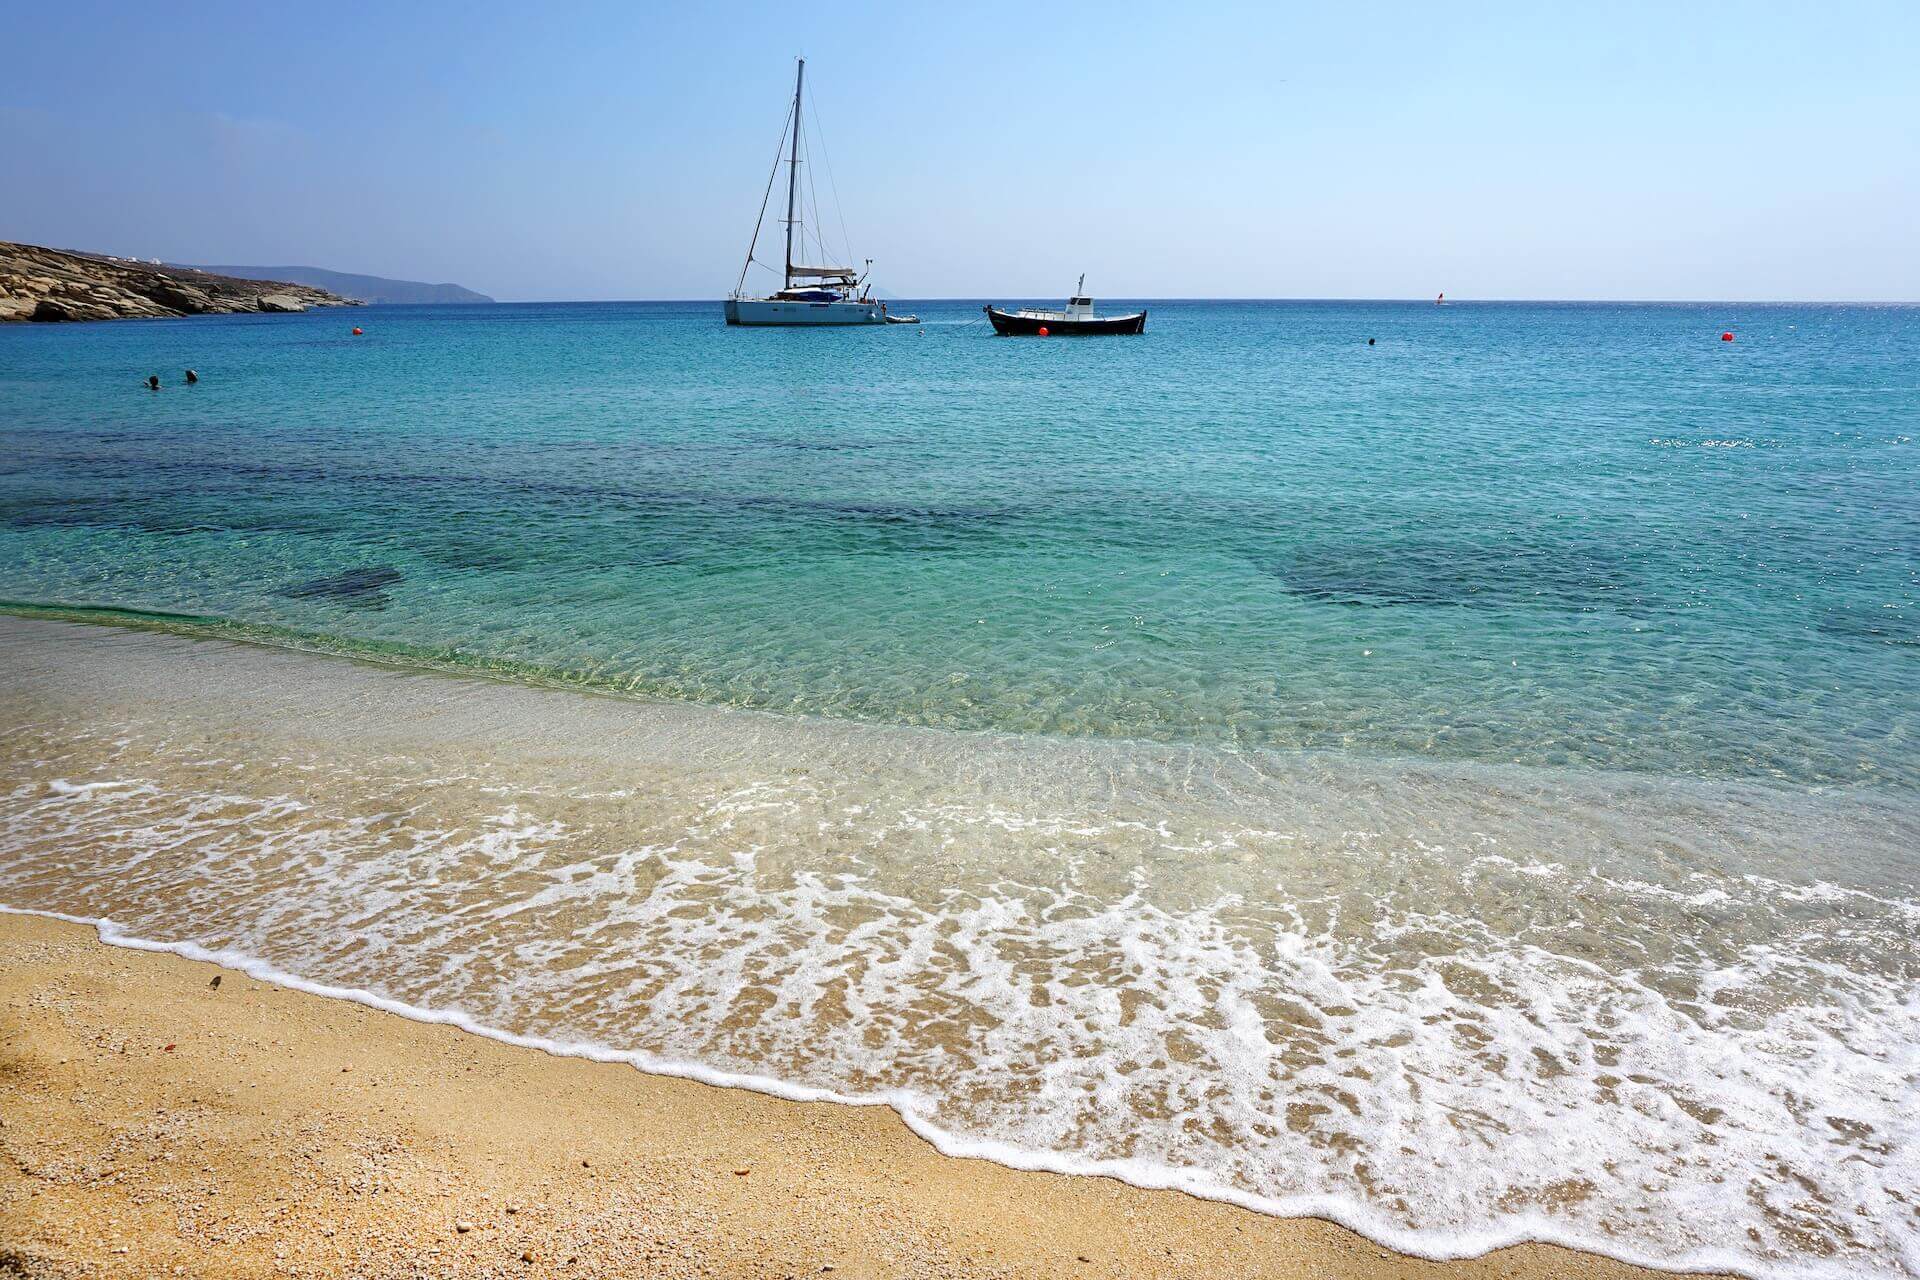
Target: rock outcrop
pixel 52 284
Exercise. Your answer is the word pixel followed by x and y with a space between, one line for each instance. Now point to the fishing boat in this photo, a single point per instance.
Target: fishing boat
pixel 808 295
pixel 1077 319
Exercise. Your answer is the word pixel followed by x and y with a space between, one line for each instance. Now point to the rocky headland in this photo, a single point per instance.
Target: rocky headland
pixel 53 284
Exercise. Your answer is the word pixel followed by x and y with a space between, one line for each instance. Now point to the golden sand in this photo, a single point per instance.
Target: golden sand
pixel 158 1125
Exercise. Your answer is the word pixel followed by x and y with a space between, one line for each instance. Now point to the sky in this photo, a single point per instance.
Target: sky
pixel 620 150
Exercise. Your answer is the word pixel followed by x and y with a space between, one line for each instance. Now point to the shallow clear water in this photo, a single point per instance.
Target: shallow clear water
pixel 1465 786
pixel 1585 535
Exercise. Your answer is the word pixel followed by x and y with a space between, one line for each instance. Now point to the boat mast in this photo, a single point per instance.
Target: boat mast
pixel 793 166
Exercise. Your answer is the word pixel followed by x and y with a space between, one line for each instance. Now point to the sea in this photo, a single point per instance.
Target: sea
pixel 1450 770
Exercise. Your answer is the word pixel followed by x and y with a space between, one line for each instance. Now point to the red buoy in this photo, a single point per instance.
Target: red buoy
pixel 357 331
pixel 1043 331
pixel 1727 336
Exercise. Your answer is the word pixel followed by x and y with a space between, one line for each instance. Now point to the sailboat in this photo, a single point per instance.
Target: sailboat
pixel 808 294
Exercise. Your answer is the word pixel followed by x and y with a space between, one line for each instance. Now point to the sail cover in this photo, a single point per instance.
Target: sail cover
pixel 820 271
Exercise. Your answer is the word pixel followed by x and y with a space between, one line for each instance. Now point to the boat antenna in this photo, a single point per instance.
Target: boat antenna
pixel 793 165
pixel 1080 290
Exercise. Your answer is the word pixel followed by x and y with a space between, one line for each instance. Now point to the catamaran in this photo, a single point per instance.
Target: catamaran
pixel 808 294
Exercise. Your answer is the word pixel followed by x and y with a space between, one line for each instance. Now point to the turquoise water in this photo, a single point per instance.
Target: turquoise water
pixel 1463 786
pixel 1577 535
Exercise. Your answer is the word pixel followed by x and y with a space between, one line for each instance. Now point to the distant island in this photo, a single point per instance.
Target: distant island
pixel 365 288
pixel 42 284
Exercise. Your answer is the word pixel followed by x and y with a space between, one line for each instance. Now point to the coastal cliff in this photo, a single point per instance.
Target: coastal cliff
pixel 53 284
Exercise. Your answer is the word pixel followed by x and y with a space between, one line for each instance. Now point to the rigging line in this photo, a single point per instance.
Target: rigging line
pixel 797 200
pixel 827 254
pixel 813 198
pixel 839 209
pixel 797 209
pixel 753 244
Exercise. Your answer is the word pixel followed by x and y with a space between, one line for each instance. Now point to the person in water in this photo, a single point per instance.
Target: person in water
pixel 153 382
pixel 192 377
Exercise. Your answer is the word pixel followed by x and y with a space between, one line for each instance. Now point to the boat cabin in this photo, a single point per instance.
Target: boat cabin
pixel 812 293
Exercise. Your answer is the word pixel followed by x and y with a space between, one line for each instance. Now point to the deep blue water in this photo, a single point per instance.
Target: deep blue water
pixel 1582 535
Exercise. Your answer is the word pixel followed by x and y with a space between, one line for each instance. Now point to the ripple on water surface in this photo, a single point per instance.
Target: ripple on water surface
pixel 1590 536
pixel 1451 1005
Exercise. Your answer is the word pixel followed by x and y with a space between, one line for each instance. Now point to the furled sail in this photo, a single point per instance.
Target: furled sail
pixel 821 272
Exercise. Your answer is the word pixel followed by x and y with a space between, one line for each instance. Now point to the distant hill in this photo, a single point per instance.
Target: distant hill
pixel 37 283
pixel 365 288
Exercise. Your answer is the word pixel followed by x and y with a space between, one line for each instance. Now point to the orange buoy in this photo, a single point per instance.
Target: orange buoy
pixel 1043 331
pixel 357 331
pixel 1727 336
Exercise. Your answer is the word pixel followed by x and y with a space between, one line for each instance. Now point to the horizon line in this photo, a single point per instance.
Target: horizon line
pixel 1424 301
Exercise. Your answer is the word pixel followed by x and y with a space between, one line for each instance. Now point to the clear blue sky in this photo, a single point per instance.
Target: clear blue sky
pixel 1731 150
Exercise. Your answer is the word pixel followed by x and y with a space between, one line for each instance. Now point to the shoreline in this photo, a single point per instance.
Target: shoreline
pixel 408 661
pixel 154 1121
pixel 272 724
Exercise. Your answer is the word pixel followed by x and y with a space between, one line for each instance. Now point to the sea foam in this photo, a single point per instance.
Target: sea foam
pixel 1453 1008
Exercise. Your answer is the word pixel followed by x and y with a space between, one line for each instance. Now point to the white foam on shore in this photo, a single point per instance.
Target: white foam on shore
pixel 1453 1008
pixel 61 787
pixel 1347 1211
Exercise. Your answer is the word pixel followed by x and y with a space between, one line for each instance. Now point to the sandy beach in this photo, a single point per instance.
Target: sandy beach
pixel 1268 646
pixel 157 1124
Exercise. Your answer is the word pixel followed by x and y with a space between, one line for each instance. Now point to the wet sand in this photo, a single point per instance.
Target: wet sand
pixel 157 1125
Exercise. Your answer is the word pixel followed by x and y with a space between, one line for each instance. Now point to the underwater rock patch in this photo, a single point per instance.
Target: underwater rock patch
pixel 359 587
pixel 1457 575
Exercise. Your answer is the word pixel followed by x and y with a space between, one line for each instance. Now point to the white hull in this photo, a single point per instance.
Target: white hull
pixel 765 311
